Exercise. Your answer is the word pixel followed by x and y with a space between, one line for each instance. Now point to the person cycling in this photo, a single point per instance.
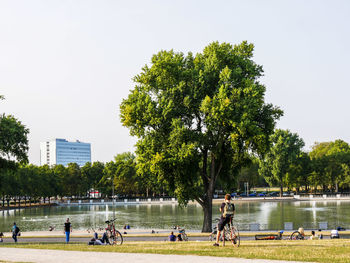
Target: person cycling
pixel 227 211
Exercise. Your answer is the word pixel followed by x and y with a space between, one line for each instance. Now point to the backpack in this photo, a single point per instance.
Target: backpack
pixel 17 230
pixel 228 209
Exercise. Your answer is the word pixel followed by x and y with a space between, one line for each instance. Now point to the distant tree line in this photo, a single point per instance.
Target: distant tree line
pixel 28 182
pixel 325 169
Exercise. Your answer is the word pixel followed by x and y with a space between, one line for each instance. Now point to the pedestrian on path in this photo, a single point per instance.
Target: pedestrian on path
pixel 15 232
pixel 67 229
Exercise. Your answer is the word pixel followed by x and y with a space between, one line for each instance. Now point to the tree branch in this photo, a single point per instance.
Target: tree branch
pixel 200 201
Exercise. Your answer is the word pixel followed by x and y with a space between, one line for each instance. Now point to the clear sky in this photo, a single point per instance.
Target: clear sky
pixel 65 66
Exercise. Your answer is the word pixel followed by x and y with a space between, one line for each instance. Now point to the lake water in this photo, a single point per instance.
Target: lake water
pixel 270 215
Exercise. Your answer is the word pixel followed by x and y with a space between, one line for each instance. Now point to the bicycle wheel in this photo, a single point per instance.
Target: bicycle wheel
pixel 116 239
pixel 212 237
pixel 296 236
pixel 227 233
pixel 184 236
pixel 234 236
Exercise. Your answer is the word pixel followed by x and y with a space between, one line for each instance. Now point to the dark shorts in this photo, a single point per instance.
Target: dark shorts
pixel 223 221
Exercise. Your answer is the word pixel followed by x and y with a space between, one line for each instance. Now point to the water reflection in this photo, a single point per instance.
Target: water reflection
pixel 270 215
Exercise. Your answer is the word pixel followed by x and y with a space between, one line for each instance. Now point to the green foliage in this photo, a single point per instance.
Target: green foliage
pixel 92 174
pixel 121 174
pixel 330 161
pixel 285 150
pixel 299 172
pixel 13 149
pixel 13 139
pixel 197 116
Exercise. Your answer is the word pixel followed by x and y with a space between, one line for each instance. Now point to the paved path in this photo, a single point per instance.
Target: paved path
pixel 56 256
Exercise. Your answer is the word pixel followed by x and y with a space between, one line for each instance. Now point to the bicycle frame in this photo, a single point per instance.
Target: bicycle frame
pixel 113 235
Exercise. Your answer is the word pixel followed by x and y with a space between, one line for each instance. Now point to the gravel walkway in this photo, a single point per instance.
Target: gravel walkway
pixel 56 256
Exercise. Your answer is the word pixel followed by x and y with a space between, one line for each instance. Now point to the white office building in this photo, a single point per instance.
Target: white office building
pixel 61 151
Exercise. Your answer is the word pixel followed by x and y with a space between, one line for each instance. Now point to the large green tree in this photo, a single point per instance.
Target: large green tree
pixel 196 116
pixel 121 173
pixel 13 149
pixel 92 174
pixel 329 163
pixel 13 139
pixel 300 173
pixel 285 149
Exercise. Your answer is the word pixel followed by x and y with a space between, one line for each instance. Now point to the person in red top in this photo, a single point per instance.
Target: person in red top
pixel 227 211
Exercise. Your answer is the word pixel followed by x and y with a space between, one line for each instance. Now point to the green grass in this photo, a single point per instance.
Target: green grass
pixel 307 250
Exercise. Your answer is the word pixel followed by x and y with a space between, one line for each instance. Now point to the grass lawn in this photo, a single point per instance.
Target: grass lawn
pixel 305 250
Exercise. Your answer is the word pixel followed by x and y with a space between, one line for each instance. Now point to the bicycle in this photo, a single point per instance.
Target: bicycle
pixel 213 234
pixel 296 235
pixel 114 237
pixel 183 234
pixel 230 233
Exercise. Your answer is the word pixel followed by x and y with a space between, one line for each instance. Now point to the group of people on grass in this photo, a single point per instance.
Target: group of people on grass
pixel 16 231
pixel 173 238
pixel 227 210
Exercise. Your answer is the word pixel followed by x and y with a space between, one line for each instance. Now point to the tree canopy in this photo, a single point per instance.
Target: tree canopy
pixel 198 116
pixel 285 150
pixel 331 161
pixel 13 139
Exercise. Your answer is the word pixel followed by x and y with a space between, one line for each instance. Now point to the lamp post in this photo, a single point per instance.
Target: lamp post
pixel 110 178
pixel 113 191
pixel 113 197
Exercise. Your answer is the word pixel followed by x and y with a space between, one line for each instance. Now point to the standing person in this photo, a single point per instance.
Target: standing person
pixel 67 229
pixel 227 211
pixel 15 231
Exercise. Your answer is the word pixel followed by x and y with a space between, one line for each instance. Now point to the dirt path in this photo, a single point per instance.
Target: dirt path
pixel 56 256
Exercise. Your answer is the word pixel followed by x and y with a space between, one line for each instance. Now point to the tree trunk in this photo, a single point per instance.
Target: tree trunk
pixel 208 214
pixel 281 190
pixel 209 185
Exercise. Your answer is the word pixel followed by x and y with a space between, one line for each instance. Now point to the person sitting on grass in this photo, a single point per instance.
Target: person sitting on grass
pixel 227 211
pixel 1 237
pixel 179 238
pixel 313 236
pixel 172 237
pixel 320 235
pixel 301 231
pixel 334 234
pixel 99 241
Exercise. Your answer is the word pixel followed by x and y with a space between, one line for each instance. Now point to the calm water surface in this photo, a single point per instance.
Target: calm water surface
pixel 270 215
